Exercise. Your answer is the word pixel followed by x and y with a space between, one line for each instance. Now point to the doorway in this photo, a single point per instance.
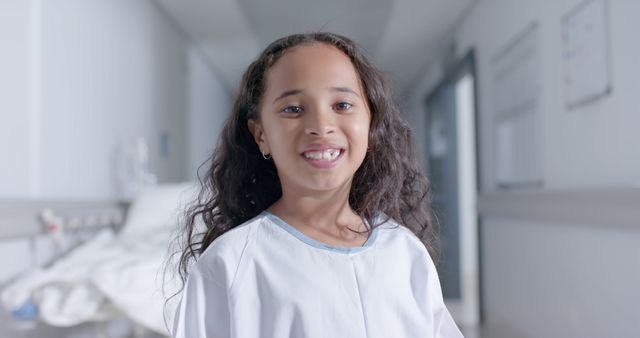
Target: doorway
pixel 452 154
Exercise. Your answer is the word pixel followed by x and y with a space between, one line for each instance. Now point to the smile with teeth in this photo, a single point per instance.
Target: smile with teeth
pixel 326 155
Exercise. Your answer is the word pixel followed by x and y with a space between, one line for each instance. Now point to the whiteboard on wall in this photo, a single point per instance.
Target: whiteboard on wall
pixel 517 87
pixel 586 53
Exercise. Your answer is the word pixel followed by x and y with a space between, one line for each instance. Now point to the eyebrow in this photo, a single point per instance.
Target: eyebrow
pixel 299 91
pixel 344 90
pixel 288 93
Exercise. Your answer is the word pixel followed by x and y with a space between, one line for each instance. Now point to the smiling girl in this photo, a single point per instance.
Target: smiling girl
pixel 316 219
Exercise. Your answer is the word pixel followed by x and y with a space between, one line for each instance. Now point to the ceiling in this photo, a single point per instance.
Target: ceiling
pixel 400 36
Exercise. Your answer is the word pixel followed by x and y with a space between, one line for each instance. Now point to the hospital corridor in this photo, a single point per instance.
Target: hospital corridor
pixel 524 115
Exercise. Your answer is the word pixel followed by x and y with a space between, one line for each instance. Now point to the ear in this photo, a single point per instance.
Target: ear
pixel 258 135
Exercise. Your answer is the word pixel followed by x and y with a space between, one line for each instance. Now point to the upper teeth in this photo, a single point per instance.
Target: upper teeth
pixel 326 155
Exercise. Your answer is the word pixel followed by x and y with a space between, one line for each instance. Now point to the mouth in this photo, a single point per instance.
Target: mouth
pixel 324 155
pixel 324 158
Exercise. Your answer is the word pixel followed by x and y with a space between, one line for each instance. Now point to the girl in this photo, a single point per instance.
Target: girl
pixel 314 211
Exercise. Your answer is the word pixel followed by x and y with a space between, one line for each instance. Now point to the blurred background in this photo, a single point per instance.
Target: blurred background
pixel 525 115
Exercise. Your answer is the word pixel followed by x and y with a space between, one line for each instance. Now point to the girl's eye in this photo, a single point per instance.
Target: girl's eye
pixel 292 109
pixel 344 106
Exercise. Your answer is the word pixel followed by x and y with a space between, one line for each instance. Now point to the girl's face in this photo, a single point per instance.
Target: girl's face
pixel 314 119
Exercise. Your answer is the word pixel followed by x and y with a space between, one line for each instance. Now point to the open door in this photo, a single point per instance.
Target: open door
pixel 452 167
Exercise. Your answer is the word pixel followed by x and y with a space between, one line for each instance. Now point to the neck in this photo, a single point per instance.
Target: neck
pixel 321 210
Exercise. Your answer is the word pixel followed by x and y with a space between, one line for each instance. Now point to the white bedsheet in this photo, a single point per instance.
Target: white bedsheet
pixel 111 271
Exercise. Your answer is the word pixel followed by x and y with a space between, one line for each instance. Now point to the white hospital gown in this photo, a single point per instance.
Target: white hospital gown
pixel 266 279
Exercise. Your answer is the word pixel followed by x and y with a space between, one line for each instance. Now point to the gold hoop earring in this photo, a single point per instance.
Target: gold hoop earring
pixel 265 156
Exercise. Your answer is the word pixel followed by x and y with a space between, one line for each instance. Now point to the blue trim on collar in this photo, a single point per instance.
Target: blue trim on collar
pixel 317 244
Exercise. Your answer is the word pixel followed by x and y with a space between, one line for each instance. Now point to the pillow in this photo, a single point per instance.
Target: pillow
pixel 158 208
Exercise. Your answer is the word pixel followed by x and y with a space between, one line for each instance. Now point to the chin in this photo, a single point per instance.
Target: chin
pixel 323 185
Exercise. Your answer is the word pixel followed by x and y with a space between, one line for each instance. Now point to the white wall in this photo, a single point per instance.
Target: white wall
pixel 588 147
pixel 209 106
pixel 18 25
pixel 79 77
pixel 111 70
pixel 559 280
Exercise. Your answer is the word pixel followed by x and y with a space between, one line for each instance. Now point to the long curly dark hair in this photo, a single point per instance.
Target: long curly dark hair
pixel 239 183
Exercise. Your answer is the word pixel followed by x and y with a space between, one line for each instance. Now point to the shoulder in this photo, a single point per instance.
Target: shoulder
pixel 398 236
pixel 403 251
pixel 391 227
pixel 223 256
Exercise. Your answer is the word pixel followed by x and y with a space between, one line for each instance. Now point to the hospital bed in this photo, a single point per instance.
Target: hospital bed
pixel 115 273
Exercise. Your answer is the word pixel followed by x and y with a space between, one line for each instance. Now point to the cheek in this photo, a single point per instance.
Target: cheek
pixel 272 132
pixel 362 130
pixel 281 140
pixel 360 136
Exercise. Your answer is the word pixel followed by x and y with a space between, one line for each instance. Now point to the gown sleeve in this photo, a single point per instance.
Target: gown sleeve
pixel 444 325
pixel 203 311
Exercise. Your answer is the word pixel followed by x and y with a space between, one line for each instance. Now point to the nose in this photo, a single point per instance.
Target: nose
pixel 320 122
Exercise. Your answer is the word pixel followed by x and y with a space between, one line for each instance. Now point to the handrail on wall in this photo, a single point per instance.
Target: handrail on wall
pixel 610 207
